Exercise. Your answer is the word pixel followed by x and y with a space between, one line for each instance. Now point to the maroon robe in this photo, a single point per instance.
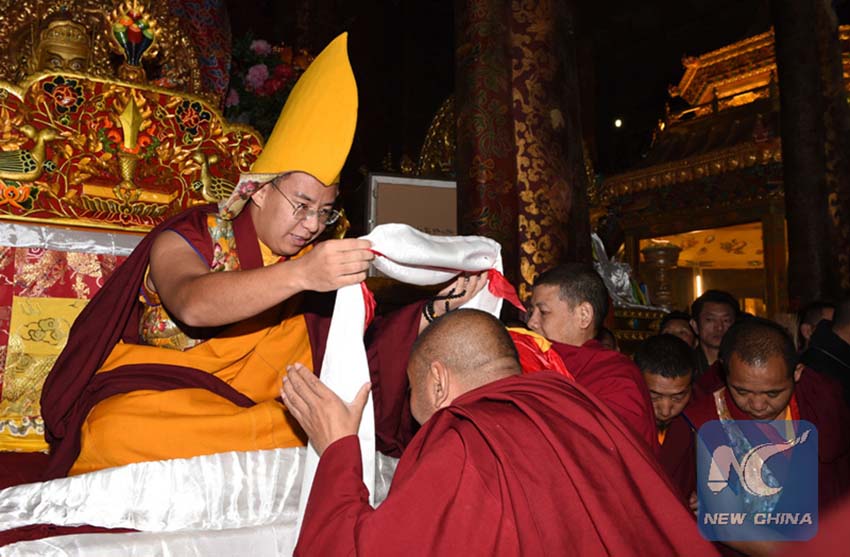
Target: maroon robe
pixel 527 465
pixel 820 401
pixel 617 381
pixel 677 456
pixel 832 539
pixel 72 388
pixel 711 379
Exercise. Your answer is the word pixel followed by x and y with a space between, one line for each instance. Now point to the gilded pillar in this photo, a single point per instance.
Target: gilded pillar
pixel 553 219
pixel 521 172
pixel 486 154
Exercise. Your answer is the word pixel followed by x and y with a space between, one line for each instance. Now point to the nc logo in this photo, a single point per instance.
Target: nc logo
pixel 749 469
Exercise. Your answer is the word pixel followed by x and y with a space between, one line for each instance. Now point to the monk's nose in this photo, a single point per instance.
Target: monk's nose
pixel 311 223
pixel 533 321
pixel 758 404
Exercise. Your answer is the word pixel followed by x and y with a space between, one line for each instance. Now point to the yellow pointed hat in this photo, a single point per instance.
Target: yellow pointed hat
pixel 314 131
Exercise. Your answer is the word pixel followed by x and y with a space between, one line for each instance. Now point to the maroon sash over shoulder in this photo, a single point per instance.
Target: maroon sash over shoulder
pixel 528 465
pixel 72 388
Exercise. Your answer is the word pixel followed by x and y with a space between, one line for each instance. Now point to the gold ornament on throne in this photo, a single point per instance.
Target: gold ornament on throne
pixel 133 36
pixel 140 42
pixel 62 46
pixel 79 145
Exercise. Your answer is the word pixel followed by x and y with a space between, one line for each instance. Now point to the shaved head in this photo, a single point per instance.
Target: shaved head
pixel 458 352
pixel 472 343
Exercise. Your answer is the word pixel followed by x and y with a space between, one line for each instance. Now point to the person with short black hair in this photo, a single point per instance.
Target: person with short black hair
pixel 568 307
pixel 810 317
pixel 678 323
pixel 765 381
pixel 667 364
pixel 829 347
pixel 583 303
pixel 711 316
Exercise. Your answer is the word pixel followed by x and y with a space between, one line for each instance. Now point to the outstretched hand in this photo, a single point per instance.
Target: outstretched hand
pixel 333 264
pixel 466 286
pixel 325 417
pixel 461 290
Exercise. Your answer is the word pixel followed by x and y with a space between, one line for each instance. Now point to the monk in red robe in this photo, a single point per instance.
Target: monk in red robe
pixel 568 306
pixel 764 381
pixel 667 365
pixel 504 464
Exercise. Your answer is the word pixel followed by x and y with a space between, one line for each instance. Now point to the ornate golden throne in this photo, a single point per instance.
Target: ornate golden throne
pixel 104 132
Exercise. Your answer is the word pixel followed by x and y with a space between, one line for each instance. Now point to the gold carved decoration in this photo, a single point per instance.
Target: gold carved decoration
pixel 132 34
pixel 25 165
pixel 32 29
pixel 739 67
pixel 677 172
pixel 84 151
pixel 62 45
pixel 213 188
pixel 438 150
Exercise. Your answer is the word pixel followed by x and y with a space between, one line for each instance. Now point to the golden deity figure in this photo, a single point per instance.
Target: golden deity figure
pixel 131 40
pixel 62 45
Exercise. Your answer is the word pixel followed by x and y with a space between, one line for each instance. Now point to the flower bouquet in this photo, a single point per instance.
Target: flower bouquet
pixel 261 78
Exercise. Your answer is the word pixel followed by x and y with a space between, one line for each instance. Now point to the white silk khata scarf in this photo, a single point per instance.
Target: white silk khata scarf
pixel 246 503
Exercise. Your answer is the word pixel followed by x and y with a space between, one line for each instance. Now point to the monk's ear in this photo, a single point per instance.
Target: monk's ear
pixel 259 196
pixel 438 383
pixel 694 326
pixel 806 330
pixel 585 315
pixel 798 372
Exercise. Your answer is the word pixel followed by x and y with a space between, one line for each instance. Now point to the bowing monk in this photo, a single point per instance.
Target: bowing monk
pixel 568 307
pixel 504 464
pixel 183 350
pixel 667 364
pixel 764 381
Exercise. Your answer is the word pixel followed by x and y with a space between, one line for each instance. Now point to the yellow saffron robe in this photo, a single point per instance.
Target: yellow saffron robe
pixel 147 425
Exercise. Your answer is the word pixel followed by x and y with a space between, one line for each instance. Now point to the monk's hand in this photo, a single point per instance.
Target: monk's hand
pixel 333 264
pixel 693 502
pixel 465 287
pixel 325 417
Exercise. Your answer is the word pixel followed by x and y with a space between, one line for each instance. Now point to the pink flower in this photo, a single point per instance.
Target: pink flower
pixel 257 75
pixel 232 98
pixel 260 47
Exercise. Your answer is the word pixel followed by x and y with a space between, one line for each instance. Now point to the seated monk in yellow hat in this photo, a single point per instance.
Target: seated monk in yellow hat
pixel 183 351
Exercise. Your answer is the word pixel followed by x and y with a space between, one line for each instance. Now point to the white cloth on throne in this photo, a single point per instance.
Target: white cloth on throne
pixel 245 503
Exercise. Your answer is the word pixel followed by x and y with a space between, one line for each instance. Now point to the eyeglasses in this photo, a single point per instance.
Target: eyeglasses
pixel 302 212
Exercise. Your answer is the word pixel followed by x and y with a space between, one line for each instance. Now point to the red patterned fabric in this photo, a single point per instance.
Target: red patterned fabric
pixel 44 273
pixel 487 199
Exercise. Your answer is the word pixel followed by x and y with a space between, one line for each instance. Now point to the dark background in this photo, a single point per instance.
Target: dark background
pixel 402 52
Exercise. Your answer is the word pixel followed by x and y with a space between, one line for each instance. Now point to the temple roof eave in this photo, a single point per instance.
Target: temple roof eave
pixel 714 163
